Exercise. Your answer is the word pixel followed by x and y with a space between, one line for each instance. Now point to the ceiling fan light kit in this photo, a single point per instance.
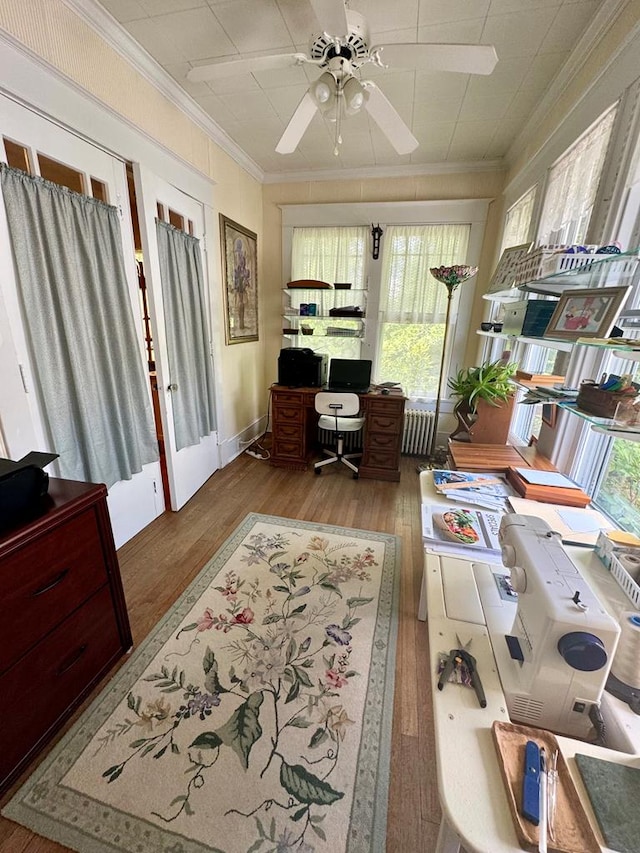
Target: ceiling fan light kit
pixel 341 49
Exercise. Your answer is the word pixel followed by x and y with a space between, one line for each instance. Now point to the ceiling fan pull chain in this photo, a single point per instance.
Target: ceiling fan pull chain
pixel 338 135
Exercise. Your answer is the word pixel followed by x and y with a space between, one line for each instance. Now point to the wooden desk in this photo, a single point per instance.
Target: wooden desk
pixel 295 430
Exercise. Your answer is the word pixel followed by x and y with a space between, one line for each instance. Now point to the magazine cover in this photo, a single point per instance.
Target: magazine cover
pixel 461 529
pixel 466 482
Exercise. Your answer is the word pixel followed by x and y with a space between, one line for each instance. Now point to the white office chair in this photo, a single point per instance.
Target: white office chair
pixel 336 411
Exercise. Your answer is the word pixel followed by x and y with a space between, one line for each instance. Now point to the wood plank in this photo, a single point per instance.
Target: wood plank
pixel 162 560
pixel 485 457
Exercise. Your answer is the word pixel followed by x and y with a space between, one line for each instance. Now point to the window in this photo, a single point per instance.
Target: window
pixel 332 254
pixel 413 303
pixel 572 186
pixel 19 156
pixel 518 220
pixel 568 202
pixel 615 478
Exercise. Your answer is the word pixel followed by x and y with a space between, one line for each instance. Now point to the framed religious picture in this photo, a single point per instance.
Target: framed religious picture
pixel 240 281
pixel 505 274
pixel 586 313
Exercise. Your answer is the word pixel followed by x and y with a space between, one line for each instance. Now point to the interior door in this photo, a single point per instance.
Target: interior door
pixel 55 153
pixel 189 467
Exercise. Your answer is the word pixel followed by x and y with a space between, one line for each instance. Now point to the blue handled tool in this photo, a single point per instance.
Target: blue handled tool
pixel 531 783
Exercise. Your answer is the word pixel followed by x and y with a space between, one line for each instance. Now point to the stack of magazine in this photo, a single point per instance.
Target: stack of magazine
pixel 470 521
pixel 488 490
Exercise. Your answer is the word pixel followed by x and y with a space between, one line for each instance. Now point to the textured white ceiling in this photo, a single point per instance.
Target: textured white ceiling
pixel 455 117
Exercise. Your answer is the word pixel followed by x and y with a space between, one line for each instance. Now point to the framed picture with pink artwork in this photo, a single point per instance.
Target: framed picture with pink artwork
pixel 586 313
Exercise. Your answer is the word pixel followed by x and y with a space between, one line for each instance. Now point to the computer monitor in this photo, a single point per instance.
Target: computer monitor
pixel 349 374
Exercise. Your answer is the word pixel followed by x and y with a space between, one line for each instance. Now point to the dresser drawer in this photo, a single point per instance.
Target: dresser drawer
pixel 38 690
pixel 44 581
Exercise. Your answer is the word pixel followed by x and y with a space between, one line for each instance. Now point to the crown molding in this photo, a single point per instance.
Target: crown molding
pixel 115 35
pixel 102 22
pixel 368 172
pixel 606 15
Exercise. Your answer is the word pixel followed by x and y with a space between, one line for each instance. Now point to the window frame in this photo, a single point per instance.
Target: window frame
pixel 471 211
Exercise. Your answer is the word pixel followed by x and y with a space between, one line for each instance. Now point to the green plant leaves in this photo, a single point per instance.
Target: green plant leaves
pixel 306 787
pixel 490 381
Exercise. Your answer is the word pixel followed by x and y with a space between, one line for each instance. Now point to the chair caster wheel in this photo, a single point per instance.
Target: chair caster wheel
pixel 317 471
pixel 356 476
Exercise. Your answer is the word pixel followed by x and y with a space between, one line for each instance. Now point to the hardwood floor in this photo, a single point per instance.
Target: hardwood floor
pixel 158 563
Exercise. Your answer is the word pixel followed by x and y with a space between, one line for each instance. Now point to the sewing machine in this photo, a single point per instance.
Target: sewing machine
pixel 562 642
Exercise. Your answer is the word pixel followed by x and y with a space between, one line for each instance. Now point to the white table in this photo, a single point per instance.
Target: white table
pixel 475 811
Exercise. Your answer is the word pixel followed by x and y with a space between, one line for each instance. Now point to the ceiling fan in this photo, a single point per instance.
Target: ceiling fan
pixel 340 49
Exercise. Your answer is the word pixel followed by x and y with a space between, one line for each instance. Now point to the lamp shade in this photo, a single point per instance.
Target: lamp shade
pixel 355 96
pixel 324 91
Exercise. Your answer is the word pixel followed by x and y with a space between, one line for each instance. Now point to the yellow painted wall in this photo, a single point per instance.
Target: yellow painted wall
pixel 54 32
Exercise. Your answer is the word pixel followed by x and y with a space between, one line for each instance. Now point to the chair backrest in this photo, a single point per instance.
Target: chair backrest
pixel 340 405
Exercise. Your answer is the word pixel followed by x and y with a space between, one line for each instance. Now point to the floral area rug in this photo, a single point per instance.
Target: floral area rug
pixel 255 717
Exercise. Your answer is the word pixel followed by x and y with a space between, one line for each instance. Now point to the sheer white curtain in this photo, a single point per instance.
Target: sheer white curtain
pixel 518 220
pixel 410 294
pixel 413 303
pixel 329 254
pixel 572 186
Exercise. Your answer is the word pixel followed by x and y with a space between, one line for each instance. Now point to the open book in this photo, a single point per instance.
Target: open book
pixel 460 529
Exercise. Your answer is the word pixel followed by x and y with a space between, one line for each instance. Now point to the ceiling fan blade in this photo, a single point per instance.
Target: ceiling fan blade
pixel 332 16
pixel 386 117
pixel 231 67
pixel 299 122
pixel 465 58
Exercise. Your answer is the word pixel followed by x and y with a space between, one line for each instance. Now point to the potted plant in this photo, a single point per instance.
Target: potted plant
pixel 485 402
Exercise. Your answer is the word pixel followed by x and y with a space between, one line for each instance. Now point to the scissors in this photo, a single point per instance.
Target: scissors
pixel 458 657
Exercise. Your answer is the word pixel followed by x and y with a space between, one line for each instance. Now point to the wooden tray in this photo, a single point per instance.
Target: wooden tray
pixel 548 494
pixel 309 284
pixel 539 377
pixel 573 832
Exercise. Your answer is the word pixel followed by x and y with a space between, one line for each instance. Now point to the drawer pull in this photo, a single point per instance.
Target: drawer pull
pixel 58 579
pixel 67 666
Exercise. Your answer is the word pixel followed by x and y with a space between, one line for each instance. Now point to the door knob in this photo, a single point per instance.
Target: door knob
pixel 172 387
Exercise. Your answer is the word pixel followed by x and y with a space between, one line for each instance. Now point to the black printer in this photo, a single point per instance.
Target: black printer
pixel 24 485
pixel 303 367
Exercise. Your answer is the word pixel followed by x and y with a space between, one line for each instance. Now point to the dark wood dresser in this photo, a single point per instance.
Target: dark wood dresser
pixel 295 430
pixel 63 620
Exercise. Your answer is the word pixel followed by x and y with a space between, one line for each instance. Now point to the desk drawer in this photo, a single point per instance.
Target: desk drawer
pixel 41 583
pixel 284 448
pixel 385 405
pixel 385 441
pixel 288 432
pixel 383 422
pixel 288 413
pixel 381 459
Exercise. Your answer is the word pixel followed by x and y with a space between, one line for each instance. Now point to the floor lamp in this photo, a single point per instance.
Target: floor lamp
pixel 451 277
